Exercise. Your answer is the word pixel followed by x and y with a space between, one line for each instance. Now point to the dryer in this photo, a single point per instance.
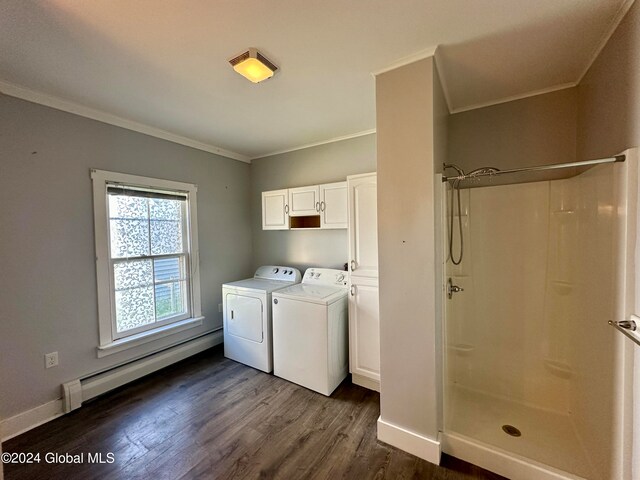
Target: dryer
pixel 247 315
pixel 310 330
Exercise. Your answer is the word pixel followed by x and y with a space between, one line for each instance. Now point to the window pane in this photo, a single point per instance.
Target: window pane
pixel 133 282
pixel 129 226
pixel 170 299
pixel 166 237
pixel 163 209
pixel 166 226
pixel 132 274
pixel 124 206
pixel 129 238
pixel 134 308
pixel 168 269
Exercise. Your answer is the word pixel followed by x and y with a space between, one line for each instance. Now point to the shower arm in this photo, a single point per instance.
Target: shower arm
pixel 462 176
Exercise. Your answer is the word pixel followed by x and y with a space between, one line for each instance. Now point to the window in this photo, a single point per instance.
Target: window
pixel 146 239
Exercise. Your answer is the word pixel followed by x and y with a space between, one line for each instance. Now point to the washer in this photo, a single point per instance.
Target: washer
pixel 247 315
pixel 310 330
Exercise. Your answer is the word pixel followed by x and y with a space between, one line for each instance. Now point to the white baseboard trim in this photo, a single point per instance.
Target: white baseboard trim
pixel 499 461
pixel 423 447
pixel 25 421
pixel 365 382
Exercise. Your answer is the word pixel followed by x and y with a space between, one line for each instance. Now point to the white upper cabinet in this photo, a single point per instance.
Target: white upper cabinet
pixel 275 210
pixel 333 205
pixel 304 201
pixel 363 225
pixel 309 208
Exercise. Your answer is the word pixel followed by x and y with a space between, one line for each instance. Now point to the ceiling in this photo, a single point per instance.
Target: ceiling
pixel 162 64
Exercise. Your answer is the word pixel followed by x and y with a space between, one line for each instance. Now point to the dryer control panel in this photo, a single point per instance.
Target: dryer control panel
pixel 277 272
pixel 325 276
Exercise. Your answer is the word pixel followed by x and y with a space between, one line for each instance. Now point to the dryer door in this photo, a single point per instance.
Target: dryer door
pixel 244 317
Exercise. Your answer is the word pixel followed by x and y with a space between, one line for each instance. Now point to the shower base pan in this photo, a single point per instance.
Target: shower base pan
pixel 547 448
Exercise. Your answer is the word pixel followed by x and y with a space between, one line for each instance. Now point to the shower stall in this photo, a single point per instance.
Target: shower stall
pixel 534 377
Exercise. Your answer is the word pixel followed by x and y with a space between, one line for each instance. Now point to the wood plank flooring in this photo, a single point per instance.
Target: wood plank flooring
pixel 209 417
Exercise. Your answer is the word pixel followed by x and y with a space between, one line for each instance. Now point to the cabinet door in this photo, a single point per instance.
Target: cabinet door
pixel 333 205
pixel 364 329
pixel 304 201
pixel 275 210
pixel 363 226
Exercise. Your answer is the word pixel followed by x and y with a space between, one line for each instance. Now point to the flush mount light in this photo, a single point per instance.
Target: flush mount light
pixel 253 66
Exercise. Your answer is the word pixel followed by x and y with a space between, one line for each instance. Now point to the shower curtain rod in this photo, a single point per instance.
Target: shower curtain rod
pixel 617 158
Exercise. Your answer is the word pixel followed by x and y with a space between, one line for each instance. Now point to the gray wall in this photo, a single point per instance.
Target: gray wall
pixel 609 94
pixel 311 166
pixel 48 281
pixel 533 131
pixel 406 246
pixel 608 123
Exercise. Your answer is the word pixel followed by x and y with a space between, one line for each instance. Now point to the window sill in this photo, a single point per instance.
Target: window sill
pixel 149 336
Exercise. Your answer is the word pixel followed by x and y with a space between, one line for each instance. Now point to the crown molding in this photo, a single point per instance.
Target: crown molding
pixel 512 98
pixel 316 144
pixel 414 57
pixel 58 103
pixel 606 36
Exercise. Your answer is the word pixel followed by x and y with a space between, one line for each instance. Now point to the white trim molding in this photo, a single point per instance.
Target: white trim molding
pixel 101 382
pixel 499 461
pixel 58 103
pixel 513 98
pixel 109 340
pixel 414 57
pixel 423 447
pixel 25 421
pixel 606 36
pixel 148 336
pixel 317 144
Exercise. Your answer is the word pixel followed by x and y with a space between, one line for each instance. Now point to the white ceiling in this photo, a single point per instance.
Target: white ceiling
pixel 163 63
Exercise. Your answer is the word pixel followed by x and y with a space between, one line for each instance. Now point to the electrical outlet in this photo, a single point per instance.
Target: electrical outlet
pixel 51 360
pixel 219 308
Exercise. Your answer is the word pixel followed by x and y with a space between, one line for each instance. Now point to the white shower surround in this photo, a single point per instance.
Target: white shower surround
pixel 544 269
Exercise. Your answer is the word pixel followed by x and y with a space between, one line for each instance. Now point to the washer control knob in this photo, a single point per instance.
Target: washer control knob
pixel 340 277
pixel 276 270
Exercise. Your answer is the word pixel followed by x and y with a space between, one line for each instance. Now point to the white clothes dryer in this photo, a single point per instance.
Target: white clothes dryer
pixel 310 331
pixel 247 315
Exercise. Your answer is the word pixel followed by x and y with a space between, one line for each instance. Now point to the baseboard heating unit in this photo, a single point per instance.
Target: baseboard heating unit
pixel 86 388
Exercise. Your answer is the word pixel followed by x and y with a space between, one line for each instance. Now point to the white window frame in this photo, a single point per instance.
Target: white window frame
pixel 110 340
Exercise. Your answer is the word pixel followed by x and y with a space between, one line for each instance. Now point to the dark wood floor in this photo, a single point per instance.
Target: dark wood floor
pixel 209 417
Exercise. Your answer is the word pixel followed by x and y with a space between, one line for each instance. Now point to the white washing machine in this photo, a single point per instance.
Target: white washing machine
pixel 247 315
pixel 310 330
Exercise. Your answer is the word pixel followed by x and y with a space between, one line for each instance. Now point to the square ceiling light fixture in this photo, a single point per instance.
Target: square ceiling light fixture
pixel 253 66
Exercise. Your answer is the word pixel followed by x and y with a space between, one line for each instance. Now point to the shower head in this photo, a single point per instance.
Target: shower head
pixel 483 171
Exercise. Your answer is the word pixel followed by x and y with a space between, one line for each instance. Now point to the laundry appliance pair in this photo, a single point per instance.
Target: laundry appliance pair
pixel 297 329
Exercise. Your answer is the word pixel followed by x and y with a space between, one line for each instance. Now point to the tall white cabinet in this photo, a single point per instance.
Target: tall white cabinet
pixel 364 320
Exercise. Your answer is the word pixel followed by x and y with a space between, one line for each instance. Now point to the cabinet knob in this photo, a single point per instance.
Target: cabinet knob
pixel 352 290
pixel 353 265
pixel 317 206
pixel 322 206
pixel 286 209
